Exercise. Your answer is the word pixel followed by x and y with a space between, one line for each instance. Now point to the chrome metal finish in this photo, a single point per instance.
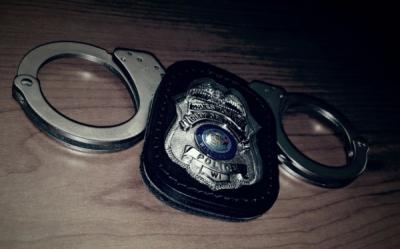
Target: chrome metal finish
pixel 140 71
pixel 294 161
pixel 213 137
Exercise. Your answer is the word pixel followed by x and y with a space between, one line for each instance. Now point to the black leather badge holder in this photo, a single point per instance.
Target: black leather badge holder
pixel 210 144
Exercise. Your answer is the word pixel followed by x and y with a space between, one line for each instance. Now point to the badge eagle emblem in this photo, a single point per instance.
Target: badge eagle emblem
pixel 213 136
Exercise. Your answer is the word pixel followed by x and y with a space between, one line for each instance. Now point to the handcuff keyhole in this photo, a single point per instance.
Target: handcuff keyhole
pixel 26 82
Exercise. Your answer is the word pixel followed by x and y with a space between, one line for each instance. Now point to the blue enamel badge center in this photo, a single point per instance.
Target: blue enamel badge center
pixel 216 142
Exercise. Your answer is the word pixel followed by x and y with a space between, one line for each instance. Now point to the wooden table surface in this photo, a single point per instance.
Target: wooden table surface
pixel 53 197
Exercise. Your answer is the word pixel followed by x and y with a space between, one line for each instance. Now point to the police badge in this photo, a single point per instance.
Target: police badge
pixel 213 137
pixel 210 144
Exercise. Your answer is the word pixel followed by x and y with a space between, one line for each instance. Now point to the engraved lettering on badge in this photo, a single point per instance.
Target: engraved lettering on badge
pixel 204 165
pixel 192 118
pixel 213 137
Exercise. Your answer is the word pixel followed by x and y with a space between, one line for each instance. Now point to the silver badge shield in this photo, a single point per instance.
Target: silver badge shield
pixel 213 136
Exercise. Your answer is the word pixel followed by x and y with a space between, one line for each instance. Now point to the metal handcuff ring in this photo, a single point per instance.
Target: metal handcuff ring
pixel 140 71
pixel 295 162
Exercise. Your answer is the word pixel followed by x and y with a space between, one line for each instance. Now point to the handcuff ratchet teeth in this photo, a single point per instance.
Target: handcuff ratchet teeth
pixel 294 161
pixel 140 71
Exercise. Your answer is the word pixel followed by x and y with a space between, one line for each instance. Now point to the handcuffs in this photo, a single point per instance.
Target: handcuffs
pixel 142 74
pixel 140 71
pixel 294 161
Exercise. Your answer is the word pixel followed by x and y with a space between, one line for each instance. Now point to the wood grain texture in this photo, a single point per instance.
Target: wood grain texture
pixel 52 197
